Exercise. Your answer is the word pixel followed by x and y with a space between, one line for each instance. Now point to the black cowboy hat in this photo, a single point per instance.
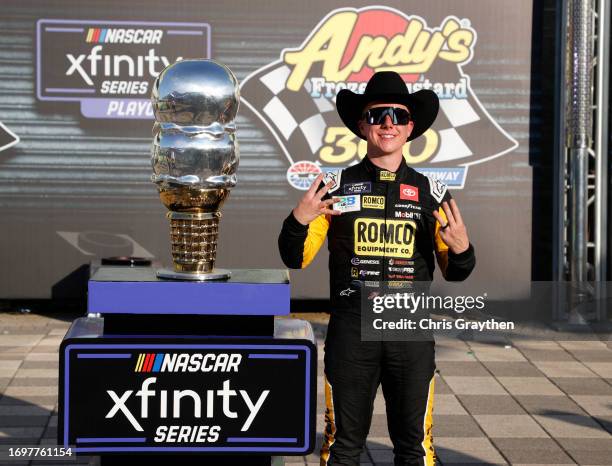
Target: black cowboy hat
pixel 388 86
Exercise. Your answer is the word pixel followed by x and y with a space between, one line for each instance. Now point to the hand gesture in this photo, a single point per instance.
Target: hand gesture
pixel 311 205
pixel 452 230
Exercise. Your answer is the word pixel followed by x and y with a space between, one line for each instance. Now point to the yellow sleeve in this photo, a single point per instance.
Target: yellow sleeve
pixel 317 231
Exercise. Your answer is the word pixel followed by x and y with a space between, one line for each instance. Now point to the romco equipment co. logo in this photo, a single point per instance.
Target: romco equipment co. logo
pixel 109 66
pixel 295 95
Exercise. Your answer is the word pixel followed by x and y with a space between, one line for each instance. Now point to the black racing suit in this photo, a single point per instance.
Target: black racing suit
pixel 389 234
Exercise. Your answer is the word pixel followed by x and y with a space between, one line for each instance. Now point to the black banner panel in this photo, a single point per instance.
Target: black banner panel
pixel 213 396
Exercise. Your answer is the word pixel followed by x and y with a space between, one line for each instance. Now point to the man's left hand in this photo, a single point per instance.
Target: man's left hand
pixel 452 230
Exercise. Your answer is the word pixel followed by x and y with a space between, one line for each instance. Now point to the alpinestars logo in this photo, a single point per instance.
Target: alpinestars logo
pixel 295 95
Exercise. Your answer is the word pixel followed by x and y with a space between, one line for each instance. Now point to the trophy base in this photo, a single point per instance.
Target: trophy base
pixel 216 274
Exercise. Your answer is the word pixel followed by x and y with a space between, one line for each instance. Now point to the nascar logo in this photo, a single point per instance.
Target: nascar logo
pixel 124 36
pixel 187 362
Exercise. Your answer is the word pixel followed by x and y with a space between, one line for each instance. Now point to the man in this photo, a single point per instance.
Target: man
pixel 394 221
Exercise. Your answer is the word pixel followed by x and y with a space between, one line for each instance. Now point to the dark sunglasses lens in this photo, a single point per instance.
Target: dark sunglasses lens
pixel 376 116
pixel 402 117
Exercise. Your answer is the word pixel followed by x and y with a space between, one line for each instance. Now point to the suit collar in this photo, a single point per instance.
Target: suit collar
pixel 378 174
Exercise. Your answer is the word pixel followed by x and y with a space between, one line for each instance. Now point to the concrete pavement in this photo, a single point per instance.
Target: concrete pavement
pixel 513 401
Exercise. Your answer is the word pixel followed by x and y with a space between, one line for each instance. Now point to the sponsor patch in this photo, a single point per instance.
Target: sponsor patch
pixel 369 273
pixel 411 215
pixel 400 262
pixel 385 175
pixel 397 276
pixel 408 206
pixel 373 202
pixel 348 203
pixel 354 272
pixel 377 237
pixel 361 261
pixel 437 188
pixel 409 193
pixel 358 188
pixel 334 177
pixel 396 284
pixel 402 269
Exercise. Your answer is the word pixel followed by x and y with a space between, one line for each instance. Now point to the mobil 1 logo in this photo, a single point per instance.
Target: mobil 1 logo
pixel 188 398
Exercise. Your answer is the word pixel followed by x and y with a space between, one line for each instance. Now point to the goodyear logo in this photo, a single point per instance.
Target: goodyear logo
pixel 378 237
pixel 373 202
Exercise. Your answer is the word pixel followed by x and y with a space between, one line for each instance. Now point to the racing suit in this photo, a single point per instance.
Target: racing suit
pixel 387 232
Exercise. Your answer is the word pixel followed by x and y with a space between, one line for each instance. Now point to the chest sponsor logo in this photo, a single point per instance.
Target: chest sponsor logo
pixel 358 188
pixel 400 262
pixel 402 269
pixel 398 284
pixel 109 66
pixel 348 203
pixel 411 215
pixel 373 202
pixel 343 51
pixel 384 175
pixel 361 261
pixel 369 273
pixel 409 193
pixel 377 237
pixel 408 206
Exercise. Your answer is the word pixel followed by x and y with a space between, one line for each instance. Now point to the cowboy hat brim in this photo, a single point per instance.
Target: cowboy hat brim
pixel 423 106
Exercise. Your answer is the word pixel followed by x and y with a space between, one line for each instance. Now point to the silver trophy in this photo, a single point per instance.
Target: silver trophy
pixel 194 156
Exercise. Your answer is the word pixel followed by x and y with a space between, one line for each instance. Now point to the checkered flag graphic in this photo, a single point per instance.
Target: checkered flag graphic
pixel 298 119
pixel 466 132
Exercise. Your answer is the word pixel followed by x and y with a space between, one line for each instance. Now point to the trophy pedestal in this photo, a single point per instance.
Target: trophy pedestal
pixel 164 370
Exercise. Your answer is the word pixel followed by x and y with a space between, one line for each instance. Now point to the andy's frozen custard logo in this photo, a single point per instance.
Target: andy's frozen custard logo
pixel 295 96
pixel 349 49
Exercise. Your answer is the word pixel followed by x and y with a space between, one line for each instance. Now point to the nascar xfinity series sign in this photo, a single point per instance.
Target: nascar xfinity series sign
pixel 295 95
pixel 109 66
pixel 190 397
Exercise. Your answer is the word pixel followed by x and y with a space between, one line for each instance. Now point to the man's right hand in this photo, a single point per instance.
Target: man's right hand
pixel 311 205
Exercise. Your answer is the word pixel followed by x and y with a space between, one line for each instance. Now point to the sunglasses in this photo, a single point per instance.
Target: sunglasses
pixel 376 115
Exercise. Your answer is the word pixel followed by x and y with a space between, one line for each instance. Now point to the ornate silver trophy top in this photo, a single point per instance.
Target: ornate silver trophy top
pixel 195 104
pixel 181 95
pixel 194 158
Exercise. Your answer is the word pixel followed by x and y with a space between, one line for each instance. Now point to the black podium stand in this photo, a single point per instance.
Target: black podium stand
pixel 192 372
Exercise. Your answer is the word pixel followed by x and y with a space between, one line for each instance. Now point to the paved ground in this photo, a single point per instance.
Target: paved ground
pixel 525 401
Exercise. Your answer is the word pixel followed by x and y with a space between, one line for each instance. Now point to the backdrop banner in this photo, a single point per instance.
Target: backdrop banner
pixel 75 123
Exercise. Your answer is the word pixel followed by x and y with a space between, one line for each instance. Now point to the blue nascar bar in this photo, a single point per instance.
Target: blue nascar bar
pixel 137 290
